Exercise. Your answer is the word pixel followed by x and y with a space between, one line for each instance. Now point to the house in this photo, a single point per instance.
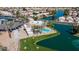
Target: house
pixel 6 13
pixel 70 19
pixel 62 19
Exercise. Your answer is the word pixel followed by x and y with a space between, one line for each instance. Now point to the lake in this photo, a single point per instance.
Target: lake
pixel 63 42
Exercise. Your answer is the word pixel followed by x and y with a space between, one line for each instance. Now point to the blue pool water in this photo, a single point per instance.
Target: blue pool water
pixel 45 30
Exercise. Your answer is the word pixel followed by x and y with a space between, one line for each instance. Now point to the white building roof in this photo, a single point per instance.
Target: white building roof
pixel 39 23
pixel 6 13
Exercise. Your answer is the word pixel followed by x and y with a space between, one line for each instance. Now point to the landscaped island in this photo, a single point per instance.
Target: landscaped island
pixel 30 43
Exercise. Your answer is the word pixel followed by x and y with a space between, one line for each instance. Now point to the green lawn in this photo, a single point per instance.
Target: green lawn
pixel 29 44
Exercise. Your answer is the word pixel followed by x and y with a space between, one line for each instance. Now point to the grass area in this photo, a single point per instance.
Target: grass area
pixel 29 44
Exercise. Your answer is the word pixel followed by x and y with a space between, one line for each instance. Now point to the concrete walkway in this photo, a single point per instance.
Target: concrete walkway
pixel 12 43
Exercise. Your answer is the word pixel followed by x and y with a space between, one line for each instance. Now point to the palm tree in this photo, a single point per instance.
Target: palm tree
pixel 35 18
pixel 25 18
pixel 8 27
pixel 17 13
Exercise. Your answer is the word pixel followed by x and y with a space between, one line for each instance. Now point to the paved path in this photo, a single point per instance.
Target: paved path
pixel 16 36
pixel 12 43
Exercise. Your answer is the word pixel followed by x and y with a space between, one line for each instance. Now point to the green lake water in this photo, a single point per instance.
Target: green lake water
pixel 63 42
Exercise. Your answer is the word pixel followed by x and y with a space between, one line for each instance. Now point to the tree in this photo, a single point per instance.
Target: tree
pixel 49 24
pixel 24 18
pixel 17 13
pixel 66 12
pixel 75 28
pixel 52 12
pixel 35 18
pixel 34 13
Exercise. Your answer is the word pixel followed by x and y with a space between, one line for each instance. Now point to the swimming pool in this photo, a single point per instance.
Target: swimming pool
pixel 45 30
